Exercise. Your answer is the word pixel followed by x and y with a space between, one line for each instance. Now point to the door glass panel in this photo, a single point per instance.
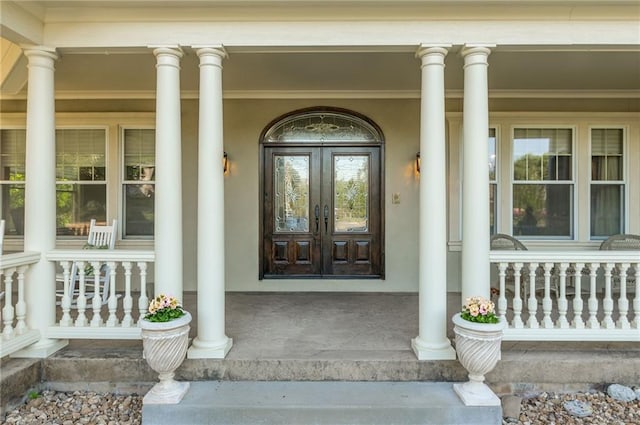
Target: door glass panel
pixel 351 193
pixel 291 193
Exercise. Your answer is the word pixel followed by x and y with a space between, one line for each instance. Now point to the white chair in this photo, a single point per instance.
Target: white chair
pixel 99 237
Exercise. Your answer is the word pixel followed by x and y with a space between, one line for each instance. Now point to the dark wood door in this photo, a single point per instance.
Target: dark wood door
pixel 322 212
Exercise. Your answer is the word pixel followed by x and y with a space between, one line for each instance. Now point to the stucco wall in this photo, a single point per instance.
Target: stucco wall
pixel 245 119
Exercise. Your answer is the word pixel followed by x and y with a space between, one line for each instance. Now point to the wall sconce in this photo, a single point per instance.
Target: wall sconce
pixel 418 162
pixel 225 162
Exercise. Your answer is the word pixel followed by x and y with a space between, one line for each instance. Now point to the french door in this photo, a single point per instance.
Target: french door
pixel 322 212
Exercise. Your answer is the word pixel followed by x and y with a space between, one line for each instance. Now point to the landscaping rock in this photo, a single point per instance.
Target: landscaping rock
pixel 578 408
pixel 511 406
pixel 621 392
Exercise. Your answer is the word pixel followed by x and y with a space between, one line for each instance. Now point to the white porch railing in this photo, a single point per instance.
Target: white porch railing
pixel 592 302
pixel 84 317
pixel 15 332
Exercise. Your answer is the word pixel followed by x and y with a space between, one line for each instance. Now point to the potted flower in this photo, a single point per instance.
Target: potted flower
pixel 165 332
pixel 478 333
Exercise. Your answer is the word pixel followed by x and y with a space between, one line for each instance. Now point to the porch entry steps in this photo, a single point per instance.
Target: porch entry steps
pixel 306 403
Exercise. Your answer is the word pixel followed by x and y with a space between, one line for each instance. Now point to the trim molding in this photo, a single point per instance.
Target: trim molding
pixel 339 94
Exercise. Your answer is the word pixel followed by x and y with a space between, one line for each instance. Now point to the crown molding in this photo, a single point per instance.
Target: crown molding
pixel 337 94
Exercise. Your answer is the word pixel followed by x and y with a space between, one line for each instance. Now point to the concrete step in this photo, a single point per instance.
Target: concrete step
pixel 306 403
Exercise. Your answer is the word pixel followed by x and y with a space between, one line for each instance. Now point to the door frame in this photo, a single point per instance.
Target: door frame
pixel 379 142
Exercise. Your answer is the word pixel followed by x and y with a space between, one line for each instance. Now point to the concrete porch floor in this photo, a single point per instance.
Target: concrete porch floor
pixel 327 337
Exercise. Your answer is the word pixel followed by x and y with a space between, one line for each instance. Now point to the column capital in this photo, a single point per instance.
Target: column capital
pixel 475 53
pixel 167 55
pixel 211 55
pixel 40 55
pixel 432 54
pixel 211 49
pixel 425 49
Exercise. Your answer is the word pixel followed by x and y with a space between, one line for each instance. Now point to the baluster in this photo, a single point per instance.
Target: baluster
pixel 607 303
pixel 563 305
pixel 21 305
pixel 517 301
pixel 592 322
pixel 578 323
pixel 81 301
pixel 143 301
pixel 502 299
pixel 96 302
pixel 66 298
pixel 532 306
pixel 623 302
pixel 127 302
pixel 636 299
pixel 547 305
pixel 7 311
pixel 113 298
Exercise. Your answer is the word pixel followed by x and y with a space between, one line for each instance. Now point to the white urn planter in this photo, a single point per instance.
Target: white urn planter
pixel 478 349
pixel 165 347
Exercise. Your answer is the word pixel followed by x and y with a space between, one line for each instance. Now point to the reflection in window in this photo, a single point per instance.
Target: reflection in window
pixel 351 193
pixel 81 189
pixel 139 181
pixel 12 175
pixel 607 182
pixel 291 193
pixel 543 182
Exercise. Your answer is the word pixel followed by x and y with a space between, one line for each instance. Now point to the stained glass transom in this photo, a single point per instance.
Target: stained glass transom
pixel 322 127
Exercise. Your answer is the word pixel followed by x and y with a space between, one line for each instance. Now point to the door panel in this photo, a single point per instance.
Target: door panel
pixel 321 215
pixel 351 185
pixel 291 183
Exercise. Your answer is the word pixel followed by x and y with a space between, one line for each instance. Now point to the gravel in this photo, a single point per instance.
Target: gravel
pixel 79 407
pixel 549 408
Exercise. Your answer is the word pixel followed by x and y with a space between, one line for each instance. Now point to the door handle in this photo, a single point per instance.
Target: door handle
pixel 317 211
pixel 326 218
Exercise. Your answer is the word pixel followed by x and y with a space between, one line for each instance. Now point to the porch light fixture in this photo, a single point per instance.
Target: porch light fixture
pixel 418 162
pixel 225 162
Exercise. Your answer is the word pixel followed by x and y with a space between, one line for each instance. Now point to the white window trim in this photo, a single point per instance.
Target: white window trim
pixel 122 181
pixel 625 176
pixel 573 181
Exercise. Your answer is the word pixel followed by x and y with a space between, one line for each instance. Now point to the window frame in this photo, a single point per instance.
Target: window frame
pixel 625 176
pixel 122 181
pixel 495 182
pixel 105 182
pixel 20 182
pixel 573 182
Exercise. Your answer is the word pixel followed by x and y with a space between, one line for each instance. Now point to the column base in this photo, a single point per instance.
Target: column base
pixel 433 352
pixel 41 349
pixel 476 394
pixel 171 392
pixel 205 350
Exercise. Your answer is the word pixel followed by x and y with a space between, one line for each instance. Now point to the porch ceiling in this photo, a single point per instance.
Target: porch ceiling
pixel 521 69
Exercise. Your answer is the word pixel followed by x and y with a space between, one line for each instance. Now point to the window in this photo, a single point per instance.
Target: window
pixel 12 174
pixel 493 182
pixel 607 182
pixel 81 188
pixel 543 184
pixel 138 181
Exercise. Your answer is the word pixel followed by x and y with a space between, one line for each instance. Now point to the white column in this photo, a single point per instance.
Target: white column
pixel 40 198
pixel 475 182
pixel 168 204
pixel 432 342
pixel 211 341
